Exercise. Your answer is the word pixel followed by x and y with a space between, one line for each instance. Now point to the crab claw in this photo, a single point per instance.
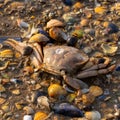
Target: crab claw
pixel 34 51
pixel 18 46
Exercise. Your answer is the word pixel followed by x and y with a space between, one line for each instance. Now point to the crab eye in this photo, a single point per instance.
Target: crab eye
pixel 27 51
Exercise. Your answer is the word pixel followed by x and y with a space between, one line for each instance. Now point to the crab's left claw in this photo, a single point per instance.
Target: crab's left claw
pixel 18 46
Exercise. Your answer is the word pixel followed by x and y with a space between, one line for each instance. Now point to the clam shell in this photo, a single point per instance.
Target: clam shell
pixel 54 23
pixel 55 90
pixel 93 115
pixel 40 116
pixel 109 50
pixel 38 38
pixel 96 91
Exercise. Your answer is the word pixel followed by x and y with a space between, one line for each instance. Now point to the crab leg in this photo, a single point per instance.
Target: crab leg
pixel 86 74
pixel 36 56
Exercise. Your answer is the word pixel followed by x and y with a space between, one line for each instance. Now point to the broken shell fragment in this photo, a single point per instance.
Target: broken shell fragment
pixel 93 115
pixel 40 116
pixel 6 53
pixel 38 38
pixel 100 9
pixel 87 99
pixel 43 101
pixel 96 91
pixel 55 90
pixel 54 23
pixel 109 50
pixel 28 110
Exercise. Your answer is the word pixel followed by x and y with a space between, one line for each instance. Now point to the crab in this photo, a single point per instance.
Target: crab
pixel 69 62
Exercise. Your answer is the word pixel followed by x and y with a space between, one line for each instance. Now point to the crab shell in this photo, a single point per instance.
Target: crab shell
pixel 58 58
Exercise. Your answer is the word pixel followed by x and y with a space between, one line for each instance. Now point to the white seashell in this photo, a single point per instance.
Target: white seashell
pixel 93 115
pixel 27 117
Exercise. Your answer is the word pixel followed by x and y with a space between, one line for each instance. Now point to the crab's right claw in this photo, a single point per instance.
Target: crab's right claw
pixel 18 46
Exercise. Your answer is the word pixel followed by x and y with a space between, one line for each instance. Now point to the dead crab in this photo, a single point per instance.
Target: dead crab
pixel 65 61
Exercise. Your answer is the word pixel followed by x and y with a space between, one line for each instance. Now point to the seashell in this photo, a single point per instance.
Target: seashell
pixel 2 88
pixel 35 95
pixel 67 109
pixel 78 5
pixel 2 100
pixel 40 116
pixel 54 23
pixel 28 110
pixel 28 70
pixel 100 9
pixel 96 91
pixel 88 98
pixel 18 105
pixel 57 34
pixel 6 53
pixel 27 117
pixel 88 14
pixel 43 100
pixel 56 90
pixel 71 97
pixel 109 50
pixel 78 33
pixel 69 18
pixel 84 22
pixel 5 108
pixel 38 38
pixel 16 92
pixel 116 7
pixel 105 24
pixel 93 115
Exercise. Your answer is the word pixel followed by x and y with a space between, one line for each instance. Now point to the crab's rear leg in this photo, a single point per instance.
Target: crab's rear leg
pixel 97 69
